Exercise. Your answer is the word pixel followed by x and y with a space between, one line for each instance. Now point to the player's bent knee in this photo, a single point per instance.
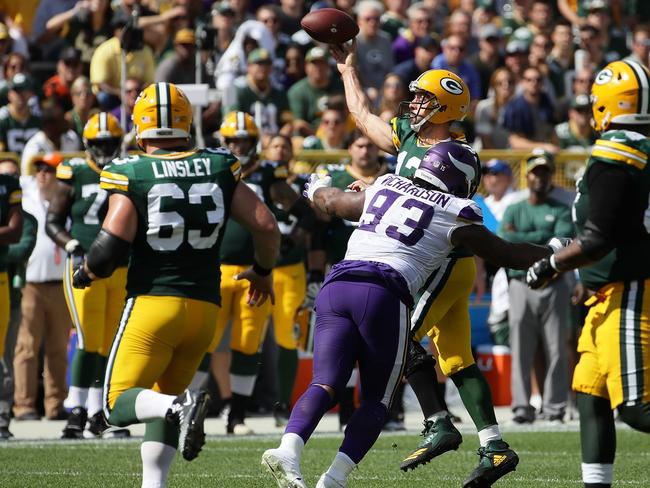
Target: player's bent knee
pixel 636 416
pixel 417 359
pixel 330 390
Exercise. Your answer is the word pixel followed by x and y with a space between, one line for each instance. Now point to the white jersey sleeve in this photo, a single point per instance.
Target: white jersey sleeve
pixel 409 228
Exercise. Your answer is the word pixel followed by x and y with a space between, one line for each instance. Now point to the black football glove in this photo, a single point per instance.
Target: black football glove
pixel 75 252
pixel 540 274
pixel 314 282
pixel 80 278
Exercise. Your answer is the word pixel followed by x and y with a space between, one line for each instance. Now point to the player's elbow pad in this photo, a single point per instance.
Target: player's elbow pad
pixel 105 253
pixel 54 223
pixel 593 243
pixel 305 214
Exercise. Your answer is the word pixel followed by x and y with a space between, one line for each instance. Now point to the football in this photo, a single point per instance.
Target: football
pixel 330 25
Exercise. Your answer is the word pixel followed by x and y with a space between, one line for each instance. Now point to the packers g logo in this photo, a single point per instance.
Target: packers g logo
pixel 604 77
pixel 451 85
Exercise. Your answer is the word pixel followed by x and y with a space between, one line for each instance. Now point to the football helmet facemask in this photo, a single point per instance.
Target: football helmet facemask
pixel 450 167
pixel 239 126
pixel 162 111
pixel 439 96
pixel 620 95
pixel 102 138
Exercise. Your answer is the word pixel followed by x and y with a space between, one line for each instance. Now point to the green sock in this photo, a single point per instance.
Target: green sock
pixel 245 364
pixel 161 431
pixel 100 370
pixel 123 412
pixel 476 396
pixel 597 429
pixel 287 370
pixel 83 369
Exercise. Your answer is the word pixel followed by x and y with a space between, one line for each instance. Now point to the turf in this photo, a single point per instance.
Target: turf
pixel 548 460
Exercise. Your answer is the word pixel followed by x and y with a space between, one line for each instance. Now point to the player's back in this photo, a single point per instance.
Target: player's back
pixel 183 200
pixel 409 227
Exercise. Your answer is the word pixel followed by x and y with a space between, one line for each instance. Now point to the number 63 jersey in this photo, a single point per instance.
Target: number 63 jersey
pixel 183 200
pixel 409 228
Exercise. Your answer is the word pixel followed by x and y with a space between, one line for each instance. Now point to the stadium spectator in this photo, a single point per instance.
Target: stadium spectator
pixel 488 118
pixel 17 121
pixel 332 133
pixel 132 88
pixel 307 97
pixel 529 117
pixel 68 68
pixel 560 59
pixel 179 67
pixel 13 64
pixel 540 17
pixel 614 43
pixel 576 133
pixel 373 47
pixel 580 84
pixel 394 19
pixel 489 57
pixel 294 66
pixel 17 16
pixel 640 45
pixel 6 43
pixel 291 12
pixel 223 20
pixel 459 23
pixel 54 135
pixel 453 59
pixel 419 25
pixel 538 315
pixel 45 320
pixel 268 15
pixel 83 105
pixel 257 96
pixel 393 93
pixel 591 46
pixel 425 50
pixel 516 59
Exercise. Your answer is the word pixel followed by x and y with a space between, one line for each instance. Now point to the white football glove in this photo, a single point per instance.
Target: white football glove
pixel 315 182
pixel 557 243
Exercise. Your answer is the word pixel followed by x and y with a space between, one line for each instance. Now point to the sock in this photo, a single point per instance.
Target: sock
pixel 243 372
pixel 156 460
pixel 199 380
pixel 77 397
pixel 237 412
pixel 341 467
pixel 490 433
pixel 293 444
pixel 308 411
pixel 441 390
pixel 425 386
pixel 476 396
pixel 94 401
pixel 287 369
pixel 346 404
pixel 363 429
pixel 598 485
pixel 597 439
pixel 83 368
pixel 150 405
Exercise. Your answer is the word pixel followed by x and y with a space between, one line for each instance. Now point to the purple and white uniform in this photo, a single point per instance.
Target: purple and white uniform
pixel 363 308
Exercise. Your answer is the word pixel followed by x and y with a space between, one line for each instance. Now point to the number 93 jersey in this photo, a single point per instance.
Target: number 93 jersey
pixel 89 201
pixel 183 200
pixel 409 227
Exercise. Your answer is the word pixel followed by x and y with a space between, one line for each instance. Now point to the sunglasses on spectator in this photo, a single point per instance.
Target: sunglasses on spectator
pixel 373 18
pixel 269 20
pixel 424 20
pixel 331 121
pixel 392 84
pixel 44 168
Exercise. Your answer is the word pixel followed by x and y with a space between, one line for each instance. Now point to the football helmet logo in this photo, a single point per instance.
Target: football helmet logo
pixel 162 111
pixel 620 95
pixel 439 96
pixel 102 138
pixel 451 167
pixel 238 126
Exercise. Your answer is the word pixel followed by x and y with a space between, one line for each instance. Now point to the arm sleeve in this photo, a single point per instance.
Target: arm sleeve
pixel 20 252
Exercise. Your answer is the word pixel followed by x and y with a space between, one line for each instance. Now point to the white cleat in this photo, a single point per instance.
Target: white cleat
pixel 327 481
pixel 284 469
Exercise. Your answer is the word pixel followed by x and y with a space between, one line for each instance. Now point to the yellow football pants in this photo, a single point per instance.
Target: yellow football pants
pixel 289 285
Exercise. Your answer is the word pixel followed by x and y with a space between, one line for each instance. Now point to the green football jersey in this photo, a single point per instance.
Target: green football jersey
pixel 89 201
pixel 567 138
pixel 290 252
pixel 10 194
pixel 629 260
pixel 14 134
pixel 183 200
pixel 237 246
pixel 273 108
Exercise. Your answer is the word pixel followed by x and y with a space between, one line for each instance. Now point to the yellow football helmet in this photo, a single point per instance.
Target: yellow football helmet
pixel 440 96
pixel 102 138
pixel 162 111
pixel 620 95
pixel 236 127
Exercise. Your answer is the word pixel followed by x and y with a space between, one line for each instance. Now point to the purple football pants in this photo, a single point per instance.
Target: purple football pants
pixel 356 321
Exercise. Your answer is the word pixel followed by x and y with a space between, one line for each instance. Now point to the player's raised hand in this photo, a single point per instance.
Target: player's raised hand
pixel 261 287
pixel 358 185
pixel 344 55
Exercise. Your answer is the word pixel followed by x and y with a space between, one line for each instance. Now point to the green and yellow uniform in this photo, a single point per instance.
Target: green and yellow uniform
pixel 182 200
pixel 14 134
pixel 273 107
pixel 567 138
pixel 614 345
pixel 442 310
pixel 10 195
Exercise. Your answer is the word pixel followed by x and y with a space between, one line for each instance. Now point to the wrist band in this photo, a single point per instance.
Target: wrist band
pixel 260 270
pixel 552 262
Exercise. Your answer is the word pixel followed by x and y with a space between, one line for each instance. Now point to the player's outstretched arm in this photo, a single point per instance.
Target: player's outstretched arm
pixel 57 214
pixel 333 201
pixel 373 126
pixel 255 216
pixel 492 248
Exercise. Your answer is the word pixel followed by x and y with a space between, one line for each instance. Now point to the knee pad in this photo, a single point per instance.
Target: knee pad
pixel 418 359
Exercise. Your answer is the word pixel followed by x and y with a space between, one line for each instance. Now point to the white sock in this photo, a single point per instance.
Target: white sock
pixel 489 433
pixel 94 401
pixel 242 384
pixel 341 467
pixel 156 461
pixel 77 397
pixel 438 415
pixel 293 444
pixel 151 405
pixel 597 473
pixel 199 381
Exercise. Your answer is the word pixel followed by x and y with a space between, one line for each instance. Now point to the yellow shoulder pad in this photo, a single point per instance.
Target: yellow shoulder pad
pixel 64 172
pixel 113 181
pixel 618 151
pixel 16 197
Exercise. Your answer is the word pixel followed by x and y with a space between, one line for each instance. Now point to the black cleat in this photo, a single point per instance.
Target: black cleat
pixel 496 460
pixel 97 426
pixel 440 436
pixel 188 411
pixel 74 428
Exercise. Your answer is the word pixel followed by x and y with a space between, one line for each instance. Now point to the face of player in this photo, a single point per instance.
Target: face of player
pixel 241 147
pixel 419 106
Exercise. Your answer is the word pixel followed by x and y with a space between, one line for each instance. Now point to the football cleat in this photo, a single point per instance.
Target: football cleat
pixel 285 470
pixel 281 414
pixel 440 436
pixel 496 460
pixel 238 427
pixel 74 427
pixel 327 481
pixel 97 426
pixel 188 411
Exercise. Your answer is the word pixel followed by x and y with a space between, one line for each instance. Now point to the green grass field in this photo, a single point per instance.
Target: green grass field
pixel 548 460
